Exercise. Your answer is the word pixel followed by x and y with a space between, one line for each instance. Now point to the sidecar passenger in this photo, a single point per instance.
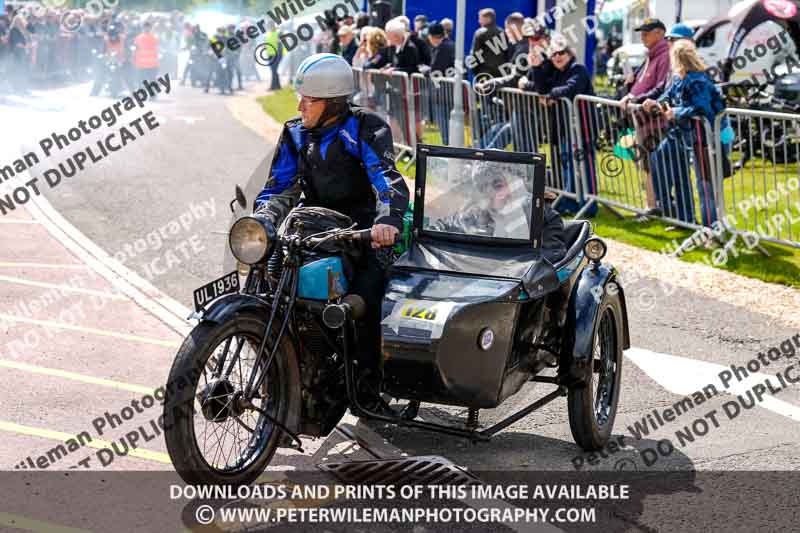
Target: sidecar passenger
pixel 499 212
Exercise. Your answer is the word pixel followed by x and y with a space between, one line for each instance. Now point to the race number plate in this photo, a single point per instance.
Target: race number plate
pixel 424 315
pixel 227 284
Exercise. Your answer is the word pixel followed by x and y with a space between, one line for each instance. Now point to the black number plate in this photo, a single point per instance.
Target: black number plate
pixel 227 284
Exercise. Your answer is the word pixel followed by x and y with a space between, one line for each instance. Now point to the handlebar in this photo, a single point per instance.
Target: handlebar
pixel 360 235
pixel 364 236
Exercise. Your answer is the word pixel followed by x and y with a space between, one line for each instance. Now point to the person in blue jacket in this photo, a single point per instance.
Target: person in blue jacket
pixel 567 79
pixel 340 157
pixel 691 94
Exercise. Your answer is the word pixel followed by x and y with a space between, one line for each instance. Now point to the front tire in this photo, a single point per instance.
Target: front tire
pixel 593 405
pixel 192 383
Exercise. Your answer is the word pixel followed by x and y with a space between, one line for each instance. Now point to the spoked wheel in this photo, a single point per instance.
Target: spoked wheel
pixel 213 435
pixel 593 406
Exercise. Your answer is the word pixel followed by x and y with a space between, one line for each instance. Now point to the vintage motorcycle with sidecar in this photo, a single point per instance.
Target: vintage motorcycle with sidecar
pixel 473 310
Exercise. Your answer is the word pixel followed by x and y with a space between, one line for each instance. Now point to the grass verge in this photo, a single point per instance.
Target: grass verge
pixel 783 265
pixel 280 105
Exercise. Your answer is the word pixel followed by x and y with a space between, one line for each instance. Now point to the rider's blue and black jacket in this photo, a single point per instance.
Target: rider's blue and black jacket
pixel 348 167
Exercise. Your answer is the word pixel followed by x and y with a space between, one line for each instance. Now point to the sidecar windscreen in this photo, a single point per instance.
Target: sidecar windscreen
pixel 479 212
pixel 482 196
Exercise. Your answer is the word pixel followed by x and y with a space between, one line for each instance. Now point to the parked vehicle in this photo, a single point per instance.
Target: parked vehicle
pixel 774 139
pixel 780 138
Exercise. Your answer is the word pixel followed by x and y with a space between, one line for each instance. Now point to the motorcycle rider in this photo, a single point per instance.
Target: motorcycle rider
pixel 110 68
pixel 221 67
pixel 197 44
pixel 340 157
pixel 234 57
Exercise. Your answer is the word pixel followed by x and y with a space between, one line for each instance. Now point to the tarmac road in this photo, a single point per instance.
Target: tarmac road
pixel 189 166
pixel 200 152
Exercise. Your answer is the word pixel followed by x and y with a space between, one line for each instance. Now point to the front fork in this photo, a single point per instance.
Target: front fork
pixel 288 278
pixel 252 286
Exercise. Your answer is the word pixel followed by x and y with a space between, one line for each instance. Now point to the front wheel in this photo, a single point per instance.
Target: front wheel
pixel 213 436
pixel 593 405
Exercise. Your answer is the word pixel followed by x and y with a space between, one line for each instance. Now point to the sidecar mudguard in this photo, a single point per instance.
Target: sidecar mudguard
pixel 233 305
pixel 596 283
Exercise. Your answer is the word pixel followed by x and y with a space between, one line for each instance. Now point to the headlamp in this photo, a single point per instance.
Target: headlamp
pixel 251 239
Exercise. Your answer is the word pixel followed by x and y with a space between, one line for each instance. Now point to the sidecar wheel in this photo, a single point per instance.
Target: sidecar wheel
pixel 199 408
pixel 593 406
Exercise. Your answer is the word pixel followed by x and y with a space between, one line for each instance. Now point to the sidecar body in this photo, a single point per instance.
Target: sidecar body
pixel 476 307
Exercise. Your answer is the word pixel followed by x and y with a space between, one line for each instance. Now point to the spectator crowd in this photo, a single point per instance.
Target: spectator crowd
pixel 41 47
pixel 664 99
pixel 117 49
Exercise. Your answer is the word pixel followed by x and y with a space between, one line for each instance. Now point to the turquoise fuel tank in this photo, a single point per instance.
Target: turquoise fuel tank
pixel 322 279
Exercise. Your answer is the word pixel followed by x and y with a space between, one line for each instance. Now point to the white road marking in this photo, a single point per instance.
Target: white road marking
pixel 683 375
pixel 11 264
pixel 141 453
pixel 74 376
pixel 190 119
pixel 102 332
pixel 166 309
pixel 62 288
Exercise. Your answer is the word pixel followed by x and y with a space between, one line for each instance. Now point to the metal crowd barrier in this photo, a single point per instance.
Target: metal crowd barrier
pixel 761 196
pixel 527 122
pixel 636 161
pixel 390 96
pixel 624 158
pixel 433 103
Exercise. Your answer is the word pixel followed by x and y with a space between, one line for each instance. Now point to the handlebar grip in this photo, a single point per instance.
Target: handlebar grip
pixel 362 235
pixel 366 235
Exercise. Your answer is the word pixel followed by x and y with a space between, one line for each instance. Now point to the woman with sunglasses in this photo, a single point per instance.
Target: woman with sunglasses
pixel 568 79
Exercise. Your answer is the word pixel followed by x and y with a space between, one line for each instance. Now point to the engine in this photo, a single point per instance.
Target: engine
pixel 324 397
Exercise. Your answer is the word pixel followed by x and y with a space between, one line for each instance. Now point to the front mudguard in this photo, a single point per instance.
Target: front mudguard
pixel 225 308
pixel 235 305
pixel 595 284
